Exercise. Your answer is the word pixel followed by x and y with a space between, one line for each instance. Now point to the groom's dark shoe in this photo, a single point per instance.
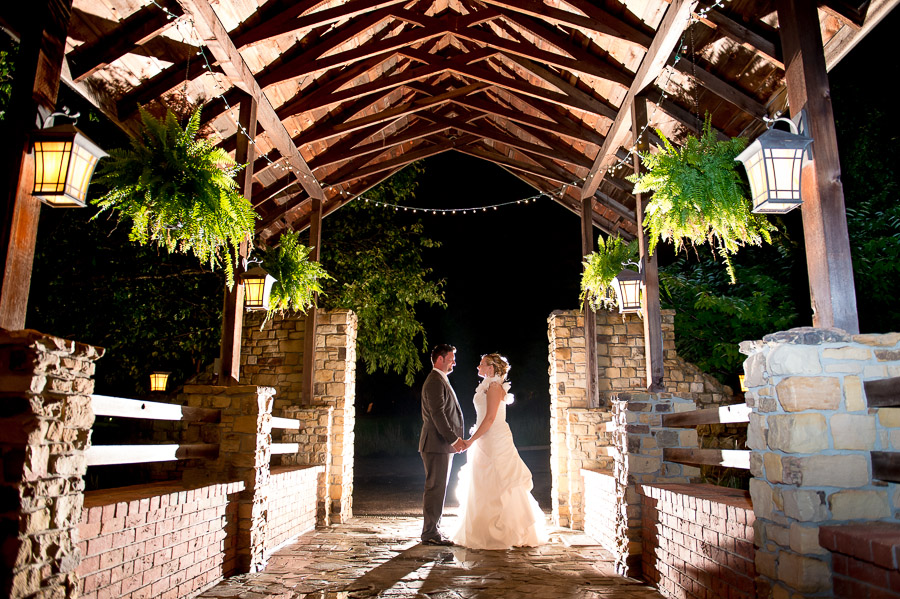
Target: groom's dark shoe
pixel 443 541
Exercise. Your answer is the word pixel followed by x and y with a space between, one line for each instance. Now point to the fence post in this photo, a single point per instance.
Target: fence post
pixel 45 423
pixel 245 453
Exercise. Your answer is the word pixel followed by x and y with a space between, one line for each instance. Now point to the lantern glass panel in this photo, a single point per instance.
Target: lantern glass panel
pixel 50 166
pixel 81 169
pixel 159 381
pixel 254 289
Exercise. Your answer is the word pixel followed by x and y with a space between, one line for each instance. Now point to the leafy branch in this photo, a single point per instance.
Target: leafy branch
pixel 297 278
pixel 698 196
pixel 179 192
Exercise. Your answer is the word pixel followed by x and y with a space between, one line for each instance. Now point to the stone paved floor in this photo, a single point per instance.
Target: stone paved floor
pixel 380 556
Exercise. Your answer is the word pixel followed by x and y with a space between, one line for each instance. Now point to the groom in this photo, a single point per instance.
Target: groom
pixel 442 431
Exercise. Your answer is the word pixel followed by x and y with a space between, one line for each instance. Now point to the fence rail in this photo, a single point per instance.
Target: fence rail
pixel 726 458
pixel 108 455
pixel 735 413
pixel 105 405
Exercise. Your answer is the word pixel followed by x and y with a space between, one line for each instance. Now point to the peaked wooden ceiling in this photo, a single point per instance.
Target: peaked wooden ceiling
pixel 351 91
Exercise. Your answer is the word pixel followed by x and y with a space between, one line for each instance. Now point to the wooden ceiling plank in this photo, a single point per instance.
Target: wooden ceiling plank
pixel 291 20
pixel 677 17
pixel 214 35
pixel 755 39
pixel 132 32
pixel 849 12
pixel 159 85
pixel 410 134
pixel 350 174
pixel 614 72
pixel 721 88
pixel 641 34
pixel 591 68
pixel 503 160
pixel 565 18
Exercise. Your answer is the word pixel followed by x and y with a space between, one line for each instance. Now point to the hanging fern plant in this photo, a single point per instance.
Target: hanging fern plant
pixel 297 278
pixel 699 196
pixel 601 267
pixel 179 192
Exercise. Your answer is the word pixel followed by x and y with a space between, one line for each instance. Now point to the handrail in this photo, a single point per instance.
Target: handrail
pixel 106 455
pixel 290 423
pixel 883 393
pixel 282 448
pixel 105 405
pixel 727 458
pixel 720 415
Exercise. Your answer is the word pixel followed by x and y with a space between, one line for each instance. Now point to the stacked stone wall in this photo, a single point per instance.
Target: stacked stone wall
pixel 811 434
pixel 272 355
pixel 45 387
pixel 698 541
pixel 158 540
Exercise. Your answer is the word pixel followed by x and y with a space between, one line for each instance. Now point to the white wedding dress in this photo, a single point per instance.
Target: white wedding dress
pixel 496 508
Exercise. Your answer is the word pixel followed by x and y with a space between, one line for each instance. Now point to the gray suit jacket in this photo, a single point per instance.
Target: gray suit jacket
pixel 442 418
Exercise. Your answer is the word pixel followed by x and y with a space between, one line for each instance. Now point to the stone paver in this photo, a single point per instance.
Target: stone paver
pixel 380 556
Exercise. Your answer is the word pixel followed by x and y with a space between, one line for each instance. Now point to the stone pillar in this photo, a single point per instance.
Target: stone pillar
pixel 244 435
pixel 810 436
pixel 639 440
pixel 335 387
pixel 45 423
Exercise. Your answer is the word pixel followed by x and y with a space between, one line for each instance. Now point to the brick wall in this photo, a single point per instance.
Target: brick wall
pixel 601 521
pixel 864 559
pixel 160 540
pixel 698 541
pixel 292 503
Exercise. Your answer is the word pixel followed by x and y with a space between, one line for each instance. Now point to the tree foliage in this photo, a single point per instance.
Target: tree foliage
pixel 178 191
pixel 376 258
pixel 8 52
pixel 601 267
pixel 297 279
pixel 699 196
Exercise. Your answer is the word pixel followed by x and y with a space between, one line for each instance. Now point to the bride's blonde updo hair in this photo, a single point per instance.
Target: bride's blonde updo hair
pixel 500 364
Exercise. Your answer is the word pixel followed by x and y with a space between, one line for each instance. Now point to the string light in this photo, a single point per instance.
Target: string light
pixel 472 209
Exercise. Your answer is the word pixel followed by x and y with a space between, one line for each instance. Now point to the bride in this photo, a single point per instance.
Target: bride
pixel 497 510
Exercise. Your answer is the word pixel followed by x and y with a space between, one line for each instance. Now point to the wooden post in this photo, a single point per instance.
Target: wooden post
pixel 590 319
pixel 828 260
pixel 233 309
pixel 309 342
pixel 34 90
pixel 650 309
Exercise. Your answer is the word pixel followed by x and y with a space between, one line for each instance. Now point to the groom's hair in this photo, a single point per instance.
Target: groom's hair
pixel 441 349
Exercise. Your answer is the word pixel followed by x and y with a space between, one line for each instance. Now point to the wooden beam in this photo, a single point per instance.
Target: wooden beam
pixel 650 308
pixel 720 87
pixel 309 336
pixel 732 414
pixel 33 95
pixel 883 393
pixel 832 290
pixel 726 458
pixel 886 466
pixel 107 455
pixel 233 307
pixel 753 38
pixel 120 407
pixel 215 37
pixel 591 388
pixel 677 17
pixel 135 30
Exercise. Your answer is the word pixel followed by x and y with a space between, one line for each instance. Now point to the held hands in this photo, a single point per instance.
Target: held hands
pixel 462 445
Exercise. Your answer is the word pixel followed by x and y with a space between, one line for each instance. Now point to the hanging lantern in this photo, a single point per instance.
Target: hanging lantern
pixel 628 284
pixel 257 287
pixel 64 161
pixel 743 384
pixel 159 380
pixel 774 163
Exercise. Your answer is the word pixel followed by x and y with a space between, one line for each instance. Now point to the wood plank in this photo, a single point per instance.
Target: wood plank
pixel 309 337
pixel 726 458
pixel 288 423
pixel 832 291
pixel 160 84
pixel 677 17
pixel 886 466
pixel 233 305
pixel 214 35
pixel 285 448
pixel 721 88
pixel 766 44
pixel 591 388
pixel 735 413
pixel 33 96
pixel 883 393
pixel 135 30
pixel 120 407
pixel 650 307
pixel 107 455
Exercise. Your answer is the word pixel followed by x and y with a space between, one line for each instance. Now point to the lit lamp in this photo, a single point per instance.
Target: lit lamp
pixel 744 387
pixel 159 380
pixel 774 164
pixel 257 287
pixel 628 285
pixel 64 161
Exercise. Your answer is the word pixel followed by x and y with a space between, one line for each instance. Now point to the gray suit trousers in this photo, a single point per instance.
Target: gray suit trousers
pixel 437 475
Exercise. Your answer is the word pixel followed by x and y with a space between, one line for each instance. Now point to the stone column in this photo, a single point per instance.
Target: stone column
pixel 314 439
pixel 244 435
pixel 45 423
pixel 335 387
pixel 811 434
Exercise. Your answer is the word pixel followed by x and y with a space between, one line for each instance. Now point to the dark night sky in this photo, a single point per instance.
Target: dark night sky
pixel 508 269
